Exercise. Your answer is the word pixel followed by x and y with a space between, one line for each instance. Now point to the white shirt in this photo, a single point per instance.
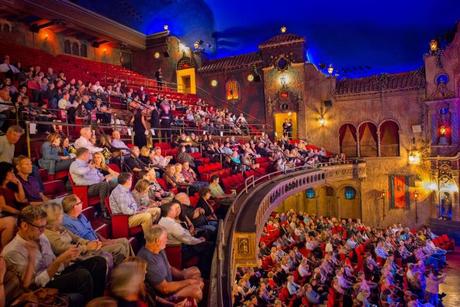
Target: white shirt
pixel 176 233
pixel 83 142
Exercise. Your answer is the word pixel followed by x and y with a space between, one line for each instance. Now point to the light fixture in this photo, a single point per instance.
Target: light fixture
pixel 283 81
pixel 289 114
pixel 46 36
pixel 196 45
pixel 166 27
pixel 433 45
pixel 214 83
pixel 382 194
pixel 322 121
pixel 414 157
pixel 443 130
pixel 283 29
pixel 416 195
pixel 156 55
pixel 104 50
pixel 330 69
pixel 250 77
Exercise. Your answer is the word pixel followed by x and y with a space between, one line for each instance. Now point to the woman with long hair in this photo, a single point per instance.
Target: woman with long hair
pixel 53 158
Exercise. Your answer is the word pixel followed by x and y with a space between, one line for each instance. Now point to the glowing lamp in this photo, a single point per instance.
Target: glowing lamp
pixel 414 158
pixel 250 77
pixel 104 50
pixel 416 195
pixel 196 45
pixel 283 80
pixel 46 36
pixel 166 27
pixel 330 69
pixel 430 186
pixel 214 83
pixel 156 55
pixel 443 130
pixel 322 121
pixel 433 45
pixel 283 29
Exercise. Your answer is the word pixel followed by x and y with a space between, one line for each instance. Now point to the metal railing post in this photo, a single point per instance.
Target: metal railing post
pixel 28 139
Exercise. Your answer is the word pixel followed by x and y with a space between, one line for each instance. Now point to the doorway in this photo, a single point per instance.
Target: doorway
pixel 186 82
pixel 279 120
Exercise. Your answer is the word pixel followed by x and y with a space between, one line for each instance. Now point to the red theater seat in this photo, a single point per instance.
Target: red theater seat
pixel 120 224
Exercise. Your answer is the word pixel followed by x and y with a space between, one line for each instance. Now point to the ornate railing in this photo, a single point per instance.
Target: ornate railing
pixel 243 225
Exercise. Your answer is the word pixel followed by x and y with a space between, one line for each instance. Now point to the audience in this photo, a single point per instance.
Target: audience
pixel 122 202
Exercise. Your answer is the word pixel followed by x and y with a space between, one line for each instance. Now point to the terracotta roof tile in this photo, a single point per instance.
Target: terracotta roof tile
pixel 282 39
pixel 231 63
pixel 405 80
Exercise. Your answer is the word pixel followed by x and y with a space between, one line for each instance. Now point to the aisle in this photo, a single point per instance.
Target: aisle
pixel 452 284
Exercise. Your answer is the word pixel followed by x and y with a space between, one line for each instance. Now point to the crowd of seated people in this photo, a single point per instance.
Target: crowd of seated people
pixel 306 260
pixel 51 242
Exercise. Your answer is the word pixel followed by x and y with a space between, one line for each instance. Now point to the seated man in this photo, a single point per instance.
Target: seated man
pixel 164 278
pixel 218 193
pixel 123 202
pixel 178 235
pixel 86 174
pixel 133 163
pixel 30 183
pixel 118 143
pixel 84 141
pixel 77 223
pixel 31 256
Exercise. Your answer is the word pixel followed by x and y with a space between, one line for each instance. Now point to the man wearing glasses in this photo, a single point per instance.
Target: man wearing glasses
pixel 31 256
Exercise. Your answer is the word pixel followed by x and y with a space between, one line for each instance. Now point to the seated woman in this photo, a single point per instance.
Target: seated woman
pixel 99 163
pixel 11 190
pixel 248 161
pixel 144 155
pixel 156 192
pixel 62 239
pixel 141 194
pixel 170 177
pixel 206 204
pixel 105 143
pixel 53 158
pixel 236 162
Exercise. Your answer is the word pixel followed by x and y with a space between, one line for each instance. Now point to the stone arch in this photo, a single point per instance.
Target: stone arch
pixel 389 138
pixel 347 140
pixel 368 139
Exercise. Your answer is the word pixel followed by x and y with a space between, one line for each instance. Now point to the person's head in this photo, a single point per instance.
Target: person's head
pixel 116 135
pixel 83 154
pixel 186 165
pixel 183 198
pixel 125 179
pixel 14 133
pixel 157 151
pixel 72 205
pixel 215 179
pixel 182 149
pixel 171 209
pixel 142 186
pixel 150 175
pixel 99 159
pixel 145 151
pixel 31 222
pixel 23 165
pixel 135 151
pixel 86 133
pixel 205 193
pixel 54 139
pixel 6 172
pixel 127 280
pixel 156 237
pixel 178 168
pixel 54 213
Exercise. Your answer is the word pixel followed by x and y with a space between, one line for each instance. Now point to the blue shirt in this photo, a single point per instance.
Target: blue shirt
pixel 80 226
pixel 158 268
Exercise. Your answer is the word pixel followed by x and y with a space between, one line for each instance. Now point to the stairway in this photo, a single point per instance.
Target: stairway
pixel 451 228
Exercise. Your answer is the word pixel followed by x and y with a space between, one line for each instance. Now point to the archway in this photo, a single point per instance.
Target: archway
pixel 389 139
pixel 368 140
pixel 186 77
pixel 349 202
pixel 347 139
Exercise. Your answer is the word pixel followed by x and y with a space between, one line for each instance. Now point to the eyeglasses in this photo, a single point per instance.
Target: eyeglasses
pixel 41 228
pixel 79 203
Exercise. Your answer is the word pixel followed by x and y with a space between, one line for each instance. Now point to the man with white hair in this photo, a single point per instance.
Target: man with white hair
pixel 84 141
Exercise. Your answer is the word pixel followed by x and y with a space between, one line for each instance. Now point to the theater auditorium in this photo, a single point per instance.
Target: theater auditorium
pixel 229 153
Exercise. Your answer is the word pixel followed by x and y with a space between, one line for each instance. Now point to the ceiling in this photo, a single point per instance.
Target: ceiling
pixel 358 37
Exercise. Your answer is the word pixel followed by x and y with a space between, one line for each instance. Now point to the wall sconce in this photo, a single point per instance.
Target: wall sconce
pixel 283 81
pixel 382 194
pixel 442 131
pixel 322 121
pixel 330 69
pixel 104 51
pixel 416 195
pixel 250 77
pixel 434 46
pixel 214 83
pixel 414 157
